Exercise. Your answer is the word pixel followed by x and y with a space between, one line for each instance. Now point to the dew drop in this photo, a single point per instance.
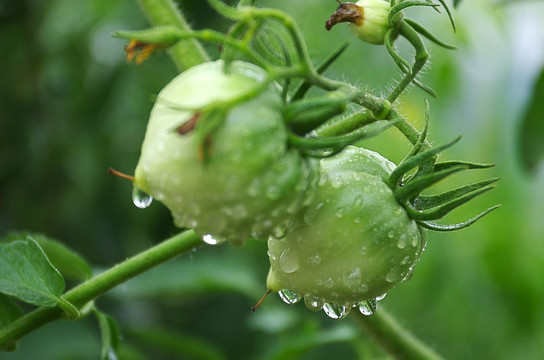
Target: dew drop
pixel 335 311
pixel 313 303
pixel 381 297
pixel 402 242
pixel 337 182
pixel 211 240
pixel 329 283
pixel 315 259
pixel 415 241
pixel 288 296
pixel 352 278
pixel 393 275
pixel 140 198
pixel 368 307
pixel 391 234
pixel 288 262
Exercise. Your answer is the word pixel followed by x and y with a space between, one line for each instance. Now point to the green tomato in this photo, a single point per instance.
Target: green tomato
pixel 352 242
pixel 250 182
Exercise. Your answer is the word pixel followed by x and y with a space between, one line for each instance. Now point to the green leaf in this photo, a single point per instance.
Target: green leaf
pixel 9 311
pixel 109 333
pixel 531 137
pixel 27 274
pixel 70 264
pixel 456 3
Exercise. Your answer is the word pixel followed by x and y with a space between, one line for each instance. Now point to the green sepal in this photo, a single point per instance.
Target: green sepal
pixel 305 86
pixel 164 35
pixel 416 160
pixel 327 146
pixel 395 9
pixel 424 202
pixel 453 227
pixel 427 34
pixel 305 115
pixel 450 16
pixel 403 65
pixel 440 211
pixel 451 163
pixel 425 88
pixel 415 186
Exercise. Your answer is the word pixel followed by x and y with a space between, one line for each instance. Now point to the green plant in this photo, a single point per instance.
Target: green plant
pixel 216 133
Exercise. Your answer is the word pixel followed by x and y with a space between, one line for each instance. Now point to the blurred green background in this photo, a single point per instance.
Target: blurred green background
pixel 70 107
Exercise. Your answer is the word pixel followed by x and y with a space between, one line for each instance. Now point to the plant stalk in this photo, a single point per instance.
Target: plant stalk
pixel 98 285
pixel 396 340
pixel 187 52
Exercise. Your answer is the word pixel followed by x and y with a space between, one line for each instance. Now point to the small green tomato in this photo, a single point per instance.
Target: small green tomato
pixel 249 182
pixel 368 19
pixel 352 243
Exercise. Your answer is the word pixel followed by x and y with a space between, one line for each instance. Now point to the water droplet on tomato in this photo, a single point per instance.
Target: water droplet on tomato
pixel 315 259
pixel 368 307
pixel 288 296
pixel 352 278
pixel 401 244
pixel 140 198
pixel 210 239
pixel 288 262
pixel 313 303
pixel 393 275
pixel 335 311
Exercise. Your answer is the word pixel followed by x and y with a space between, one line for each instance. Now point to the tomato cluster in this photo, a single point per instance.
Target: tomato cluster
pixel 216 153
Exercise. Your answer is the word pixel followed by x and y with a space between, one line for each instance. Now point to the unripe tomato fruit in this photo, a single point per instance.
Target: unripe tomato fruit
pixel 249 183
pixel 353 241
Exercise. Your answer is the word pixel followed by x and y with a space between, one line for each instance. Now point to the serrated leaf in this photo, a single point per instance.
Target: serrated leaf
pixel 69 263
pixel 531 137
pixel 27 274
pixel 109 333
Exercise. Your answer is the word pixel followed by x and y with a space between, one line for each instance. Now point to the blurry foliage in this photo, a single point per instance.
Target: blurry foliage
pixel 70 107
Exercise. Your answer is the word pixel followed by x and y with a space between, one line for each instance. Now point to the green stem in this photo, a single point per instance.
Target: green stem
pixel 396 340
pixel 186 53
pixel 421 58
pixel 89 290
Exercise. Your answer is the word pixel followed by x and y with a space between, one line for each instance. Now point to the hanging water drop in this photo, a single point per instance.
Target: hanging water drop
pixel 211 240
pixel 335 311
pixel 313 303
pixel 140 198
pixel 288 296
pixel 368 307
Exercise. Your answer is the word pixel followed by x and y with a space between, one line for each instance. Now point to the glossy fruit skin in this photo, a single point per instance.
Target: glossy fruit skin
pixel 353 241
pixel 250 183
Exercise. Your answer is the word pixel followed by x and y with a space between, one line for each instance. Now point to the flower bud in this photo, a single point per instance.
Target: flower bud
pixel 368 19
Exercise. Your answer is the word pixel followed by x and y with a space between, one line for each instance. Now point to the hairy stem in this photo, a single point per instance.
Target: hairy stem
pixel 396 340
pixel 98 285
pixel 186 53
pixel 421 58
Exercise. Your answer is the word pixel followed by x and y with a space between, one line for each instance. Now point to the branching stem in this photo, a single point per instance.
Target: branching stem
pixel 98 285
